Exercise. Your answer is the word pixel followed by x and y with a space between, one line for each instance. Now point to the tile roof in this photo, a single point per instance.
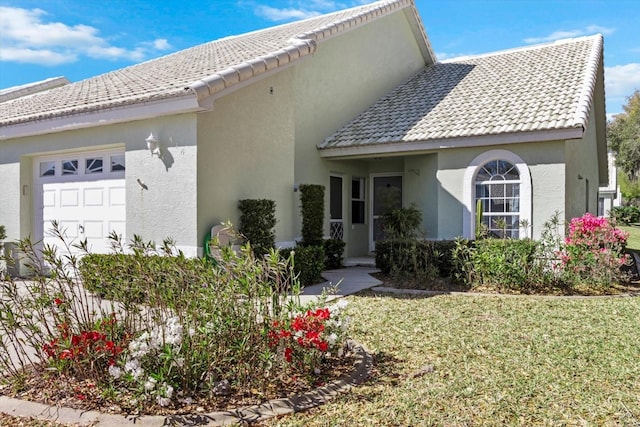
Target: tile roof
pixel 31 88
pixel 537 88
pixel 203 70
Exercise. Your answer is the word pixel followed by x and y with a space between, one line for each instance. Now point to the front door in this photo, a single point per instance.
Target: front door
pixel 386 194
pixel 336 223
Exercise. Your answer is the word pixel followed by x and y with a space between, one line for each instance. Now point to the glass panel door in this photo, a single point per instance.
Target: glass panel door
pixel 387 194
pixel 336 227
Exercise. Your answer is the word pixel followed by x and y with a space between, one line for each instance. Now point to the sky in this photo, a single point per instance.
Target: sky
pixel 79 39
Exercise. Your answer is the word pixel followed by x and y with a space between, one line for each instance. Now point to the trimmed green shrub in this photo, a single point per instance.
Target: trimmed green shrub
pixel 136 275
pixel 506 263
pixel 3 232
pixel 333 252
pixel 257 219
pixel 308 263
pixel 424 259
pixel 312 210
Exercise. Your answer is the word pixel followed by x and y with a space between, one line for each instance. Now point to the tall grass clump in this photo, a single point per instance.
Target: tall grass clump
pixel 149 323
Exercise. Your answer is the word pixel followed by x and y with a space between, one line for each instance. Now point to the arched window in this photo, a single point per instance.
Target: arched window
pixel 500 182
pixel 497 193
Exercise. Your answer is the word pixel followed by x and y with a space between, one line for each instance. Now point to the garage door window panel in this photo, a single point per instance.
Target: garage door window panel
pixel 47 168
pixel 69 167
pixel 117 163
pixel 93 165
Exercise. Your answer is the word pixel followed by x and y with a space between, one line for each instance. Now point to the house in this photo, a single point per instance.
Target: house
pixel 353 100
pixel 610 196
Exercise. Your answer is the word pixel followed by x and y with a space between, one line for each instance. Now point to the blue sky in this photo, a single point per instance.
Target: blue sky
pixel 79 39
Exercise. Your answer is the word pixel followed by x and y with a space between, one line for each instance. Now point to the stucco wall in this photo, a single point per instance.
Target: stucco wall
pixel 245 151
pixel 165 209
pixel 545 163
pixel 421 187
pixel 582 179
pixel 345 76
pixel 10 195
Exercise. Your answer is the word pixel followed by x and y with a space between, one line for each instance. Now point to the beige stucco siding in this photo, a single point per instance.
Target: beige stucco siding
pixel 245 151
pixel 545 164
pixel 346 75
pixel 165 209
pixel 421 188
pixel 582 179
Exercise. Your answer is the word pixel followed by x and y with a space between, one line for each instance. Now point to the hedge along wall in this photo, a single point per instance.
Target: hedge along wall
pixel 257 220
pixel 312 210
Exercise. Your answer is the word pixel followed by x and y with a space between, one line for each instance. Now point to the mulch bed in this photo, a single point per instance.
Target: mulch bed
pixel 49 388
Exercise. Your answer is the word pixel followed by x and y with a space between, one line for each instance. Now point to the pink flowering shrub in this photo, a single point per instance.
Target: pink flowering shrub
pixel 593 251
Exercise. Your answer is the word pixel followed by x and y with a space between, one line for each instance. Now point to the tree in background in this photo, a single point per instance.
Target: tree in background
pixel 623 135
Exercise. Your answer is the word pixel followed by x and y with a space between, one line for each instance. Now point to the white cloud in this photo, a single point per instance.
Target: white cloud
pixel 40 56
pixel 303 9
pixel 622 80
pixel 26 37
pixel 161 44
pixel 274 14
pixel 443 56
pixel 565 34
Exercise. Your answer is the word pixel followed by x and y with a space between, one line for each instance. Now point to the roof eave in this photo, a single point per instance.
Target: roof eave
pixel 302 46
pixel 102 117
pixel 247 71
pixel 417 147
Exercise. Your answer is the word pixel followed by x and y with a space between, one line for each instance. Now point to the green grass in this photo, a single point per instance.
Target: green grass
pixel 496 361
pixel 634 235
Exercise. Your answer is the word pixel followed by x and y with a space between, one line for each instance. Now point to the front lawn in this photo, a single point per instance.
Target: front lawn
pixel 465 360
pixel 633 242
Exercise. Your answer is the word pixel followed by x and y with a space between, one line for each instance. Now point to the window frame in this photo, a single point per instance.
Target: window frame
pixel 469 190
pixel 358 201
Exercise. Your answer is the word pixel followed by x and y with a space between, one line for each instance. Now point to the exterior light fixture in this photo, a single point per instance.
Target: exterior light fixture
pixel 153 145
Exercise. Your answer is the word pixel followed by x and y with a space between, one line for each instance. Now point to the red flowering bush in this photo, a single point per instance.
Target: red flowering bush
pixel 302 342
pixel 86 354
pixel 593 251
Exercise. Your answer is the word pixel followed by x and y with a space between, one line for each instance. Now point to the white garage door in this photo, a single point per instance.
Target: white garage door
pixel 85 193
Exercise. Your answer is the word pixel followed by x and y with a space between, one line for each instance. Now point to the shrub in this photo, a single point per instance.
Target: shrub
pixel 505 264
pixel 198 326
pixel 422 259
pixel 308 263
pixel 257 219
pixel 593 252
pixel 139 275
pixel 625 214
pixel 3 233
pixel 333 252
pixel 402 223
pixel 312 210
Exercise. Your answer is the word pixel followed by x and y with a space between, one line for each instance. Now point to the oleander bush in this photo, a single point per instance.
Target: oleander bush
pixel 149 327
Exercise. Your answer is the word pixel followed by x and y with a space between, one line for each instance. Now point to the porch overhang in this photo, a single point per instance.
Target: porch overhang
pixel 395 148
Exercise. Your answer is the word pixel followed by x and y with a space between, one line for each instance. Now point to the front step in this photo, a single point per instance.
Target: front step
pixel 360 262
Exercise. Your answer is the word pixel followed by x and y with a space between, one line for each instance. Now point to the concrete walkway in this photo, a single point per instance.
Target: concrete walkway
pixel 347 281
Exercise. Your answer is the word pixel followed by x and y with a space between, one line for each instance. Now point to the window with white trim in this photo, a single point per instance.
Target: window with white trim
pixel 497 194
pixel 357 201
